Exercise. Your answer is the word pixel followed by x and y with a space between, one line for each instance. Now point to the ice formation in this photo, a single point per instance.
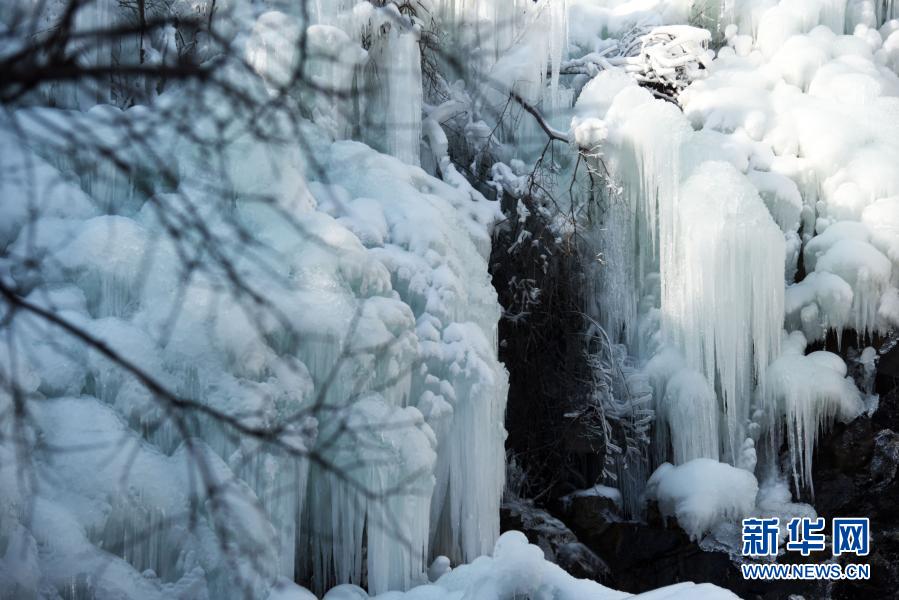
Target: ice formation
pixel 813 93
pixel 767 200
pixel 726 307
pixel 699 222
pixel 374 348
pixel 767 203
pixel 804 394
pixel 689 409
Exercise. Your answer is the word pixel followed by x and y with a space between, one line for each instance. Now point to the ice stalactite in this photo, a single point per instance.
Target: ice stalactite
pixel 725 305
pixel 803 395
pixel 702 236
pixel 482 31
pixel 820 302
pixel 640 213
pixel 689 410
pixel 557 45
pixel 369 517
pixel 867 271
pixel 333 66
pixel 463 524
pixel 377 92
pixel 686 407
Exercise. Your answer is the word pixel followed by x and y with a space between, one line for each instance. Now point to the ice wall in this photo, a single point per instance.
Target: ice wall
pixel 725 309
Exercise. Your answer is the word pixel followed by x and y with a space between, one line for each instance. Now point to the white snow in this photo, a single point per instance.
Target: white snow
pixel 702 493
pixel 515 569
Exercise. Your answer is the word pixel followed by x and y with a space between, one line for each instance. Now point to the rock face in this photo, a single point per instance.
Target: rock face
pixel 643 556
pixel 885 459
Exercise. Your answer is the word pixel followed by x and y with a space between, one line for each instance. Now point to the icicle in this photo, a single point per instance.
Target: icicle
pixel 639 225
pixel 804 395
pixel 722 292
pixel 394 88
pixel 686 409
pixel 557 46
pixel 464 522
pixel 867 271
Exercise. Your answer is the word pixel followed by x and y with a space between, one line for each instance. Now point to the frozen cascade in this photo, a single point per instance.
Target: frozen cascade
pixel 512 45
pixel 492 27
pixel 772 22
pixel 399 249
pixel 766 101
pixel 461 387
pixel 820 302
pixel 867 271
pixel 689 410
pixel 377 451
pixel 687 413
pixel 771 95
pixel 639 221
pixel 693 283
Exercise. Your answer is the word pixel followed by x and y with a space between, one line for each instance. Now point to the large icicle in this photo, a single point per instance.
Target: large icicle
pixel 723 301
pixel 394 87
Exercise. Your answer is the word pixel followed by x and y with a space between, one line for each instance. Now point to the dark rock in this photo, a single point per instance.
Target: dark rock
pixel 849 446
pixel 559 544
pixel 643 557
pixel 591 512
pixel 887 415
pixel 887 378
pixel 886 456
pixel 581 562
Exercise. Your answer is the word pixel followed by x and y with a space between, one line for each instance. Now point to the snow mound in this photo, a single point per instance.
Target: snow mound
pixel 702 493
pixel 516 569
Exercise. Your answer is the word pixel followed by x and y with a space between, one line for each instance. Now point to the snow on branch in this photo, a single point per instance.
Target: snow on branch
pixel 664 58
pixel 553 133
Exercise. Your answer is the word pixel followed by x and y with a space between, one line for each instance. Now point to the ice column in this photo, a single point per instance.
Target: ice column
pixel 723 293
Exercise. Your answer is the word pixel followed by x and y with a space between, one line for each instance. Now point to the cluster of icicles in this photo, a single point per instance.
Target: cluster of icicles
pixel 701 237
